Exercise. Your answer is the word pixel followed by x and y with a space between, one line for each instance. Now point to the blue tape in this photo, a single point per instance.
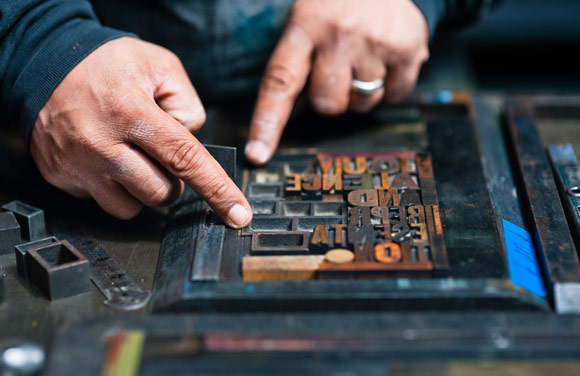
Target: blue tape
pixel 521 258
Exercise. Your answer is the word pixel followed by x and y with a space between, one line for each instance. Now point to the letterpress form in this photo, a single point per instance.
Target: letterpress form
pixel 371 215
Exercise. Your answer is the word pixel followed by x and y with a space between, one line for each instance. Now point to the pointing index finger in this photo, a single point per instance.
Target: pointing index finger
pixel 284 78
pixel 168 142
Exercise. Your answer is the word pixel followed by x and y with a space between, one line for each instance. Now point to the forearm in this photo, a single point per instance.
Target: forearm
pixel 40 42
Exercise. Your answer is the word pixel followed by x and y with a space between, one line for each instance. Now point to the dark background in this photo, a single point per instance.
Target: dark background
pixel 522 45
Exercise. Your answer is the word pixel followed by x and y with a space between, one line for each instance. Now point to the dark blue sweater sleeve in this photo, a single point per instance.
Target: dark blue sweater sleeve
pixel 452 13
pixel 40 42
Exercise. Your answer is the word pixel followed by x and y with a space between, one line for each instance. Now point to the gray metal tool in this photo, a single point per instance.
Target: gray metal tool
pixel 121 291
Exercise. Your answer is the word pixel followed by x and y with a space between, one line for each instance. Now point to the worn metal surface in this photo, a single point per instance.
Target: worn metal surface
pixel 478 271
pixel 119 289
pixel 58 269
pixel 21 250
pixel 208 252
pixel 225 156
pixel 9 232
pixel 473 245
pixel 30 218
pixel 540 194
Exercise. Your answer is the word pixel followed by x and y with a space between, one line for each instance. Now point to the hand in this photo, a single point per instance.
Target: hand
pixel 117 128
pixel 335 41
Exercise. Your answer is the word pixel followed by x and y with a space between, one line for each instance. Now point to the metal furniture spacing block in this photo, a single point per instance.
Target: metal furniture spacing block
pixel 9 232
pixel 22 249
pixel 30 218
pixel 58 269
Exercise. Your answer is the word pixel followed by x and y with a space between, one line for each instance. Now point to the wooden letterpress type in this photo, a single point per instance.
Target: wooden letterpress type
pixel 421 252
pixel 384 181
pixel 403 180
pixel 437 220
pixel 382 213
pixel 359 215
pixel 410 197
pixel 397 214
pixel 360 165
pixel 400 232
pixel 388 197
pixel 407 254
pixel 311 182
pixel 383 232
pixel 319 240
pixel 360 235
pixel 363 252
pixel 331 184
pixel 388 253
pixel 390 165
pixel 363 197
pixel 339 239
pixel 416 214
pixel 426 180
pixel 419 233
pixel 408 165
pixel 325 163
pixel 352 182
pixel 436 241
pixel 293 184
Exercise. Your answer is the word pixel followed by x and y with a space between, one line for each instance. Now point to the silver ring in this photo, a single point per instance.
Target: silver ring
pixel 367 87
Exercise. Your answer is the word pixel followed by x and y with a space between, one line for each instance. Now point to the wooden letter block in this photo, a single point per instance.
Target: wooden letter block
pixel 390 165
pixel 389 197
pixel 404 181
pixel 363 197
pixel 359 168
pixel 388 253
pixel 280 268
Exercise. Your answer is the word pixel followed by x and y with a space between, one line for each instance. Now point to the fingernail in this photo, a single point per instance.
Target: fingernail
pixel 257 151
pixel 239 216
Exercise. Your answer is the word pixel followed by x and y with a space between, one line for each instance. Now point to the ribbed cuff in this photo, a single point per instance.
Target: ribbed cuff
pixel 51 64
pixel 433 11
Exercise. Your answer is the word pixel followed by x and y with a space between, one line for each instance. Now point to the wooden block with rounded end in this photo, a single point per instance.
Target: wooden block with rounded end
pixel 281 268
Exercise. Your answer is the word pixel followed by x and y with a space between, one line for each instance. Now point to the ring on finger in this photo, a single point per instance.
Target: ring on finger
pixel 367 87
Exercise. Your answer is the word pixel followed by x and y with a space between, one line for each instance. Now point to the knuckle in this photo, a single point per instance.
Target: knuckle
pixel 160 196
pixel 218 192
pixel 184 157
pixel 279 78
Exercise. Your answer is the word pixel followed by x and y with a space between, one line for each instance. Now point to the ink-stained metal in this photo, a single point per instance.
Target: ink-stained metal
pixel 21 250
pixel 280 243
pixel 225 156
pixel 9 232
pixel 558 255
pixel 431 203
pixel 567 172
pixel 119 289
pixel 208 253
pixel 58 269
pixel 30 218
